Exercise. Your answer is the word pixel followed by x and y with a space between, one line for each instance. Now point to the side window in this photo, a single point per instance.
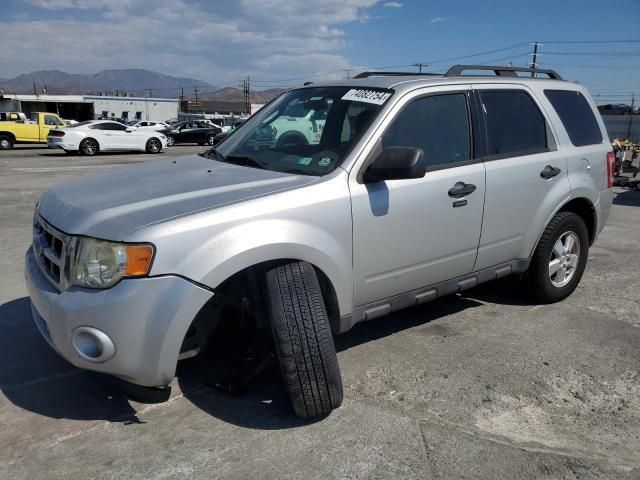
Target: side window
pixel 515 125
pixel 576 115
pixel 51 120
pixel 437 124
pixel 108 126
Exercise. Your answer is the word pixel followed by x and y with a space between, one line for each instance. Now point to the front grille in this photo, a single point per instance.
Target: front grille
pixel 50 248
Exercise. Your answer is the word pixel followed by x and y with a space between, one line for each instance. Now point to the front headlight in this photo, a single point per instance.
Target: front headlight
pixel 102 264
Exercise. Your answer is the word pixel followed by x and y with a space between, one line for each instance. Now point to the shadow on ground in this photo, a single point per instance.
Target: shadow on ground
pixel 34 377
pixel 628 198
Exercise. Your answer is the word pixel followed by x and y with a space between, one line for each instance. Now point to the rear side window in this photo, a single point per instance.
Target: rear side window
pixel 577 116
pixel 515 125
pixel 438 124
pixel 108 126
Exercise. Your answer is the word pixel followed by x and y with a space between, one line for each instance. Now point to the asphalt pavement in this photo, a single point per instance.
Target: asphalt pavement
pixel 480 385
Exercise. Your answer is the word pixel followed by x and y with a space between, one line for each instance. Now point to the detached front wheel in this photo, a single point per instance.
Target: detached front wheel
pixel 559 259
pixel 303 341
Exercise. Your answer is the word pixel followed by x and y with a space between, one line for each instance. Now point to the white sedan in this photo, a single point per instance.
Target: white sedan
pixel 95 136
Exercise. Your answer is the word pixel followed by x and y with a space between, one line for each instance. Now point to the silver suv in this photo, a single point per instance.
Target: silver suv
pixel 418 186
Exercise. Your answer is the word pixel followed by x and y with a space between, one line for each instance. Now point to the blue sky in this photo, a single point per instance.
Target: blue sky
pixel 284 42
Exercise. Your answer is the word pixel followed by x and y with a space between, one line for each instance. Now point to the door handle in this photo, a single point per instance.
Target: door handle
pixel 108 134
pixel 549 172
pixel 460 189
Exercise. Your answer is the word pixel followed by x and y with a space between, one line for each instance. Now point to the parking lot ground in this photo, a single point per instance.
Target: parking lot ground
pixel 480 385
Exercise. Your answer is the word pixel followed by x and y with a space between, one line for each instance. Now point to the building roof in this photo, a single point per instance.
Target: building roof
pixel 45 97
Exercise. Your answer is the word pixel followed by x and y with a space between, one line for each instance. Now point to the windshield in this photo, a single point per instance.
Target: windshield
pixel 309 131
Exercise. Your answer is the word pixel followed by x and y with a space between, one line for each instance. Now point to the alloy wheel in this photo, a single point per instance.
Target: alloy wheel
pixel 564 258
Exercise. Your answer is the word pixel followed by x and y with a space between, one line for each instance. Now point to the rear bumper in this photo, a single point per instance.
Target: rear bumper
pixel 603 208
pixel 144 320
pixel 61 142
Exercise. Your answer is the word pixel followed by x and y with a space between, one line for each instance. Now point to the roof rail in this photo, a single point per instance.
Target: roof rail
pixel 500 71
pixel 396 74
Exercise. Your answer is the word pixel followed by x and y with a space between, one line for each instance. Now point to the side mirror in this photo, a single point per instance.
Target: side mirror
pixel 396 163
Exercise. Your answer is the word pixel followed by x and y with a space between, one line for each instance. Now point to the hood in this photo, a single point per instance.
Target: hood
pixel 113 204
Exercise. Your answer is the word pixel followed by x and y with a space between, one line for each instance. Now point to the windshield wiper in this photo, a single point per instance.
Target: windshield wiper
pixel 244 161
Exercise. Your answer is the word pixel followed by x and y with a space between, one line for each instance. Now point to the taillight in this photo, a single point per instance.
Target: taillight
pixel 611 168
pixel 56 133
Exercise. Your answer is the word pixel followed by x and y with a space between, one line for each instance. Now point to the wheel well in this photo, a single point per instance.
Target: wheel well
pixel 585 209
pixel 89 138
pixel 247 287
pixel 8 134
pixel 292 133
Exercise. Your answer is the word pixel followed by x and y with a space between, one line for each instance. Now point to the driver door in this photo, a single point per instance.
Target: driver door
pixel 413 233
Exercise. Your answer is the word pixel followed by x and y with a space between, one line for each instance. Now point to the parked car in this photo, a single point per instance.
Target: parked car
pixel 34 130
pixel 198 132
pixel 418 187
pixel 13 117
pixel 151 125
pixel 226 131
pixel 95 136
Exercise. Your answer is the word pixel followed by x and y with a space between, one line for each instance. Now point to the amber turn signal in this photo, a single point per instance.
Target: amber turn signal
pixel 138 259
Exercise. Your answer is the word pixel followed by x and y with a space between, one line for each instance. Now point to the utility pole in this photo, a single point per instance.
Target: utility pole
pixel 181 98
pixel 420 65
pixel 348 73
pixel 534 57
pixel 195 89
pixel 246 95
pixel 630 124
pixel 150 90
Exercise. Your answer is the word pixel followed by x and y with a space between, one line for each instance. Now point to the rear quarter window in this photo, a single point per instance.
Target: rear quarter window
pixel 576 115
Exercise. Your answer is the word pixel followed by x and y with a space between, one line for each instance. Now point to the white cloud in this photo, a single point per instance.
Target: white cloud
pixel 392 4
pixel 217 42
pixel 439 19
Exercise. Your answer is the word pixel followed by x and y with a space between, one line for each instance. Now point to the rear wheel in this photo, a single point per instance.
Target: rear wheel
pixel 303 341
pixel 153 145
pixel 211 140
pixel 89 147
pixel 559 259
pixel 170 141
pixel 6 142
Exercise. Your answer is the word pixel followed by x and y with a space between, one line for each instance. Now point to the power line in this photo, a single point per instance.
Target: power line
pixel 479 54
pixel 604 54
pixel 580 42
pixel 509 57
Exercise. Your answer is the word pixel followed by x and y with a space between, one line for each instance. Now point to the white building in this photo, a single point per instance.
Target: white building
pixel 89 107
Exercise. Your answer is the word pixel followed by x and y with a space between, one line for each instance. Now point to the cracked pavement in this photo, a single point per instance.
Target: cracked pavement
pixel 481 385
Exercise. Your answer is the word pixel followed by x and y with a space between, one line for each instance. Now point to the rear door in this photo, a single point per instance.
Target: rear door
pixel 526 175
pixel 413 233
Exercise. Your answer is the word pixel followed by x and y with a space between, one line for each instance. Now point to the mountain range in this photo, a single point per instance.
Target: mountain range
pixel 135 82
pixel 132 81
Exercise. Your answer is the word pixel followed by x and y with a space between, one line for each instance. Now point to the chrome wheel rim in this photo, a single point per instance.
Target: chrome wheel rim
pixel 212 140
pixel 154 145
pixel 170 141
pixel 564 259
pixel 90 147
pixel 4 143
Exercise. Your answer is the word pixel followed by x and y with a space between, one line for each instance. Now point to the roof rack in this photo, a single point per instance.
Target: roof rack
pixel 500 71
pixel 396 74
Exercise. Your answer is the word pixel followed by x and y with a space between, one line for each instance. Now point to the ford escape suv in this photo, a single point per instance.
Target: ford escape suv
pixel 416 186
